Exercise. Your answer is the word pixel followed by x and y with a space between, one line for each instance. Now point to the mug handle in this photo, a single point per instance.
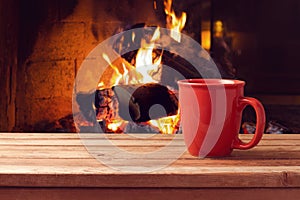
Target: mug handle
pixel 260 123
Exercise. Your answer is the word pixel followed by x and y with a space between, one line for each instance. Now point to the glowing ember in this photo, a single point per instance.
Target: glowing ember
pixel 100 84
pixel 116 125
pixel 167 125
pixel 173 22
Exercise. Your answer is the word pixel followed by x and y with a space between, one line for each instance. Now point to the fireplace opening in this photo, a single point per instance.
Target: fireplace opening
pixel 45 43
pixel 138 91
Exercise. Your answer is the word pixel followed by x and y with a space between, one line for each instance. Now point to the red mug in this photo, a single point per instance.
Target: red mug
pixel 211 112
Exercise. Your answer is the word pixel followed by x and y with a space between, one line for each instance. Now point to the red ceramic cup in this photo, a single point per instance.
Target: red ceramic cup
pixel 211 112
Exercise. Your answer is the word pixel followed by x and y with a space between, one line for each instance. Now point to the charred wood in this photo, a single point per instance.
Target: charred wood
pixel 136 102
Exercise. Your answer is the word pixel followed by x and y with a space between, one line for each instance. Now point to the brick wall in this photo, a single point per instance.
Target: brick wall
pixel 46 76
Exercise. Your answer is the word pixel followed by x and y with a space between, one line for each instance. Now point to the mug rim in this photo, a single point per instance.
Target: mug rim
pixel 210 82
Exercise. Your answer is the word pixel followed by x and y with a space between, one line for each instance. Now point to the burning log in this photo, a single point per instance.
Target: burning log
pixel 106 104
pixel 180 64
pixel 100 107
pixel 141 103
pixel 135 104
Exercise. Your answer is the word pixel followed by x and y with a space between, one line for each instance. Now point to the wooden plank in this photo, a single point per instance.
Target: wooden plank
pixel 64 162
pixel 132 136
pixel 116 136
pixel 146 193
pixel 134 145
pixel 80 152
pixel 92 179
pixel 78 142
pixel 38 135
pixel 178 167
pixel 93 163
pixel 41 142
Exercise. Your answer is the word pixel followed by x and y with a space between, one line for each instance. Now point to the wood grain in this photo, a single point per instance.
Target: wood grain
pixel 148 193
pixel 61 160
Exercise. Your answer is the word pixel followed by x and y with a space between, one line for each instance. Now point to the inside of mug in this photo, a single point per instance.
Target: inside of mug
pixel 211 82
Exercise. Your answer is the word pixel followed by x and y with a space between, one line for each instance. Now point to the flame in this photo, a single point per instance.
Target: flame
pixel 101 84
pixel 144 67
pixel 116 125
pixel 205 38
pixel 118 75
pixel 147 63
pixel 142 72
pixel 167 125
pixel 144 62
pixel 173 22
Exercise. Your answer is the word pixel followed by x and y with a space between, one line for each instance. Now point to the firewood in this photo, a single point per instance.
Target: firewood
pixel 141 103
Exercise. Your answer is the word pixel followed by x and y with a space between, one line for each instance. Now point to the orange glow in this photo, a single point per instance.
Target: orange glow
pixel 176 24
pixel 205 39
pixel 218 28
pixel 154 5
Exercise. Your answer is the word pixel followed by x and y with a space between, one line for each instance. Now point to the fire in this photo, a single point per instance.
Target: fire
pixel 118 75
pixel 144 62
pixel 147 63
pixel 144 65
pixel 167 125
pixel 116 125
pixel 173 22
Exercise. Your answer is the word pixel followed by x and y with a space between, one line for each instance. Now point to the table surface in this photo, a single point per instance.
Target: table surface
pixel 69 160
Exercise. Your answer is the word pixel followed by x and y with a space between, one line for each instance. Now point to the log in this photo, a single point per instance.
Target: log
pixel 141 103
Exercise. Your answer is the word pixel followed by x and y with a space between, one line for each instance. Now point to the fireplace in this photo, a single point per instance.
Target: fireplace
pixel 45 43
pixel 139 70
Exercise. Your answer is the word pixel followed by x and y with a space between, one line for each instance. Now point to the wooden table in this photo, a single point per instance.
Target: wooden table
pixel 58 166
